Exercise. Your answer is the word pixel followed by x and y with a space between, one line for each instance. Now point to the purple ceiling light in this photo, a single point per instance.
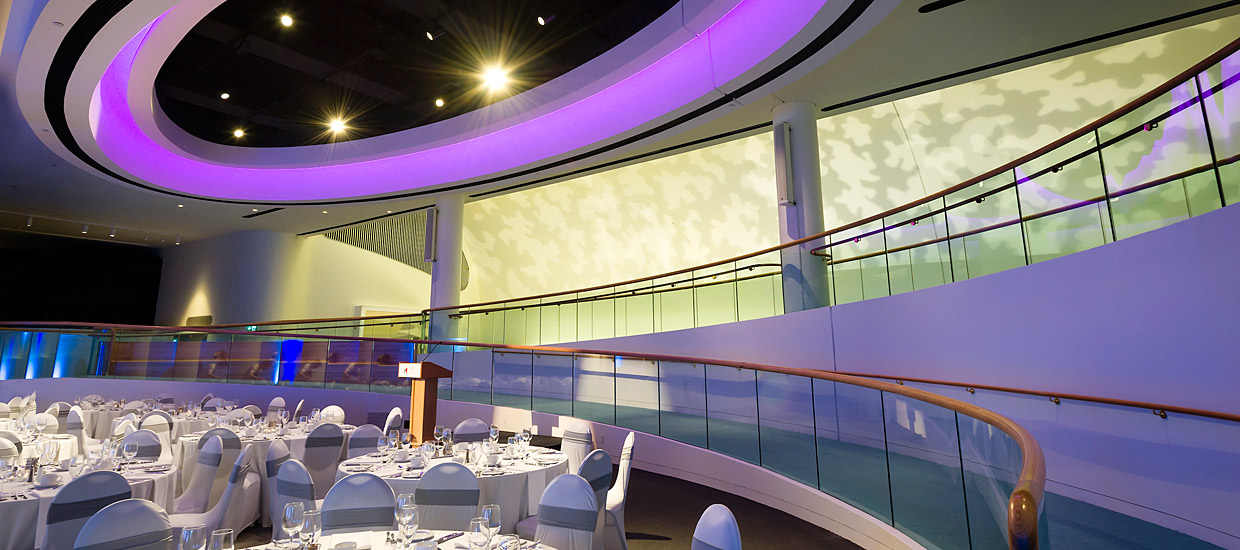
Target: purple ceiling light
pixel 737 42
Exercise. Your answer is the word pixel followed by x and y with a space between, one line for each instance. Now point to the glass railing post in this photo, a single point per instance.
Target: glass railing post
pixel 1020 217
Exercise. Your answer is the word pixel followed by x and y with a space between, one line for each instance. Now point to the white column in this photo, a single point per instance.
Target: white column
pixel 446 269
pixel 804 275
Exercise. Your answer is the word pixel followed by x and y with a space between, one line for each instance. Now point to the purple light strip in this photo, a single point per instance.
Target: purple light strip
pixel 738 41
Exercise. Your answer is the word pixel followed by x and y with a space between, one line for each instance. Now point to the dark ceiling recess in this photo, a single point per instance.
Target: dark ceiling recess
pixel 937 5
pixel 369 62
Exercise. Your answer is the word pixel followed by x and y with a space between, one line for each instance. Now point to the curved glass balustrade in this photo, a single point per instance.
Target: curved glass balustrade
pixel 946 473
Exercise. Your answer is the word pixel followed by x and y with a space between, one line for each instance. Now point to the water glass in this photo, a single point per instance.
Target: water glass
pixel 394 438
pixel 130 451
pixel 311 527
pixel 292 520
pixel 478 534
pixel 407 521
pixel 221 539
pixel 490 513
pixel 193 537
pixel 494 434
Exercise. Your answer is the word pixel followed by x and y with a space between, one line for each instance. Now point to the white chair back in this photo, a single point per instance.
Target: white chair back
pixel 447 497
pixel 298 411
pixel 365 439
pixel 214 404
pixel 13 439
pixel 471 430
pixel 232 447
pixel 596 470
pixel 62 415
pixel 46 423
pixel 15 408
pixel 255 412
pixel 395 421
pixel 4 411
pixel 76 428
pixel 131 524
pixel 277 455
pixel 274 408
pixel 8 449
pixel 162 428
pixel 578 441
pixel 567 514
pixel 293 484
pixel 76 502
pixel 333 414
pixel 613 514
pixel 163 414
pixel 716 530
pixel 205 399
pixel 360 502
pixel 149 447
pixel 123 429
pixel 229 504
pixel 240 416
pixel 198 494
pixel 322 455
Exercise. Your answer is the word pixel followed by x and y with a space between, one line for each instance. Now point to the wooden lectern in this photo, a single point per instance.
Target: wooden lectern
pixel 423 397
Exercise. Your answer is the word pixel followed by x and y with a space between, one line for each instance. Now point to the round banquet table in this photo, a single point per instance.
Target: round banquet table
pixel 377 540
pixel 516 486
pixel 97 423
pixel 23 519
pixel 68 446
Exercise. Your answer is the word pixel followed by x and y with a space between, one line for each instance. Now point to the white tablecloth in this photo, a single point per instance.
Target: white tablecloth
pixel 23 520
pixel 97 423
pixel 377 540
pixel 516 491
pixel 68 446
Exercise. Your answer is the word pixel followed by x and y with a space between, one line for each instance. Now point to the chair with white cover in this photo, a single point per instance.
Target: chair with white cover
pixel 359 502
pixel 596 470
pixel 213 404
pixel 4 411
pixel 162 428
pixel 298 411
pixel 205 399
pixel 567 514
pixel 46 423
pixel 322 456
pixel 364 440
pixel 274 408
pixel 255 412
pixel 8 449
pixel 241 417
pixel 716 530
pixel 12 438
pixel 613 513
pixel 292 484
pixel 237 507
pixel 333 414
pixel 231 448
pixel 197 495
pixel 28 406
pixel 395 421
pixel 76 428
pixel 447 497
pixel 15 408
pixel 149 446
pixel 61 413
pixel 76 502
pixel 577 442
pixel 131 524
pixel 164 414
pixel 471 430
pixel 277 455
pixel 123 429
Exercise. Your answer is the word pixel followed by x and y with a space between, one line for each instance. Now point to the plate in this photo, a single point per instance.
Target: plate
pixel 40 487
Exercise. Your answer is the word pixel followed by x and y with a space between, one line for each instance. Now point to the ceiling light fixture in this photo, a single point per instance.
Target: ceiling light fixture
pixel 544 20
pixel 253 210
pixel 432 35
pixel 286 20
pixel 85 228
pixel 178 240
pixel 238 133
pixel 439 103
pixel 495 78
pixel 180 206
pixel 336 125
pixel 324 211
pixel 29 221
pixel 113 233
pixel 225 95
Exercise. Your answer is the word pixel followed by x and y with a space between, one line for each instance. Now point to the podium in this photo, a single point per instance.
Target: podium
pixel 423 397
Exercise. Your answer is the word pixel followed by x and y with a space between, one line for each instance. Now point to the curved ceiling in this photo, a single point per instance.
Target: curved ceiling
pixel 683 69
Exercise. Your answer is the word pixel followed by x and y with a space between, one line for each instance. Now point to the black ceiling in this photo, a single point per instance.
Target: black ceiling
pixel 370 61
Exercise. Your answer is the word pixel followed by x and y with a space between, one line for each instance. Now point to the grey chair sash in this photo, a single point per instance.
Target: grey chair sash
pixel 274 409
pixel 577 436
pixel 8 453
pixel 470 437
pixel 334 441
pixel 699 544
pixel 158 427
pixel 359 517
pixel 155 540
pixel 239 472
pixel 210 459
pixel 208 408
pixel 360 442
pixel 446 497
pixel 149 451
pixel 273 465
pixel 62 413
pixel 73 426
pixel 302 491
pixel 65 511
pixel 568 518
pixel 600 481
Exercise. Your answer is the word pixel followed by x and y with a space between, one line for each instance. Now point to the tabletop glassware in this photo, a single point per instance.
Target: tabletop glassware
pixel 381 445
pixel 291 521
pixel 311 527
pixel 222 539
pixel 490 513
pixel 394 438
pixel 283 416
pixel 478 534
pixel 193 537
pixel 130 451
pixel 49 453
pixel 407 521
pixel 439 433
pixel 7 467
pixel 507 542
pixel 494 434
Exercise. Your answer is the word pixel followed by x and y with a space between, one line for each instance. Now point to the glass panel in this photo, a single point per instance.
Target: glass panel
pixel 925 264
pixel 348 365
pixel 513 379
pixel 635 308
pixel 145 356
pixel 567 310
pixel 385 373
pixel 732 412
pixel 637 394
pixel 852 449
pixel 42 355
pixel 303 363
pixel 682 402
pixel 1154 146
pixel 786 413
pixel 471 376
pixel 1061 201
pixel 1221 104
pixel 73 355
pixel 14 347
pixel 714 297
pixel 594 388
pixel 992 462
pixel 253 359
pixel 981 243
pixel 442 356
pixel 758 290
pixel 673 300
pixel 859 271
pixel 923 453
pixel 553 383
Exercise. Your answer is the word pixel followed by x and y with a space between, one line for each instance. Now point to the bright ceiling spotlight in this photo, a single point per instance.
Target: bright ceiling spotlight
pixel 253 210
pixel 85 228
pixel 113 233
pixel 439 103
pixel 336 125
pixel 178 240
pixel 238 133
pixel 544 20
pixel 225 95
pixel 286 20
pixel 29 221
pixel 495 78
pixel 432 35
pixel 324 211
pixel 180 206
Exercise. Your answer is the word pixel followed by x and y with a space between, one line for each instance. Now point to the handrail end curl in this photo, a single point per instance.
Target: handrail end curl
pixel 1022 518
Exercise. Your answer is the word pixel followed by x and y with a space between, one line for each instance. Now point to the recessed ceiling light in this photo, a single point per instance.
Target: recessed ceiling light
pixel 439 103
pixel 238 132
pixel 180 206
pixel 85 228
pixel 253 210
pixel 545 20
pixel 178 240
pixel 30 220
pixel 336 125
pixel 113 233
pixel 286 20
pixel 324 211
pixel 495 78
pixel 225 95
pixel 389 211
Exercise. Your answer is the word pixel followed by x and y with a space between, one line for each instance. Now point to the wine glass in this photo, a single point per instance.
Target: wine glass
pixel 7 467
pixel 304 423
pixel 381 445
pixel 311 527
pixel 130 450
pixel 283 416
pixel 478 534
pixel 490 513
pixel 407 521
pixel 193 537
pixel 494 434
pixel 439 433
pixel 294 516
pixel 49 453
pixel 222 539
pixel 508 542
pixel 394 438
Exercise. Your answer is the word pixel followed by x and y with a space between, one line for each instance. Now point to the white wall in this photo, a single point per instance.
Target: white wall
pixel 256 276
